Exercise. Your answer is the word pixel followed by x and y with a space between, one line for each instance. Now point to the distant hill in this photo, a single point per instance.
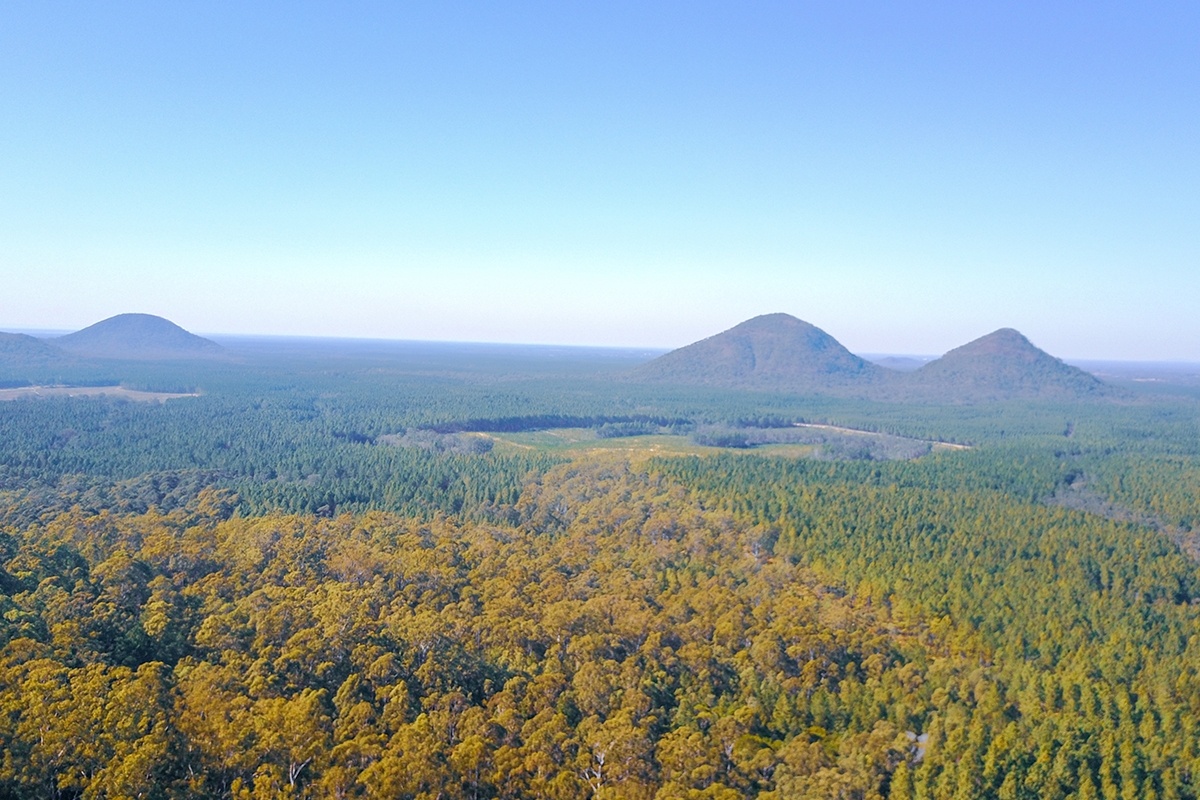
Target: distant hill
pixel 138 336
pixel 16 347
pixel 23 356
pixel 1003 365
pixel 774 351
pixel 781 353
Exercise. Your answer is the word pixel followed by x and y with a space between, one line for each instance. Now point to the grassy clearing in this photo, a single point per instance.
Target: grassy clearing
pixel 569 441
pixel 584 440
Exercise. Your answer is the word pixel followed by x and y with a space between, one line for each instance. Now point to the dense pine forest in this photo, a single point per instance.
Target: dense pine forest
pixel 373 571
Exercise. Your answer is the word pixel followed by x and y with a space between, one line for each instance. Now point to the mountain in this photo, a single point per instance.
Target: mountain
pixel 781 353
pixel 20 350
pixel 773 351
pixel 138 336
pixel 1003 365
pixel 20 345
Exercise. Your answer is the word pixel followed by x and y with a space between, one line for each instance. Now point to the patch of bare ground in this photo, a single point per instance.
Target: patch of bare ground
pixel 91 391
pixel 933 442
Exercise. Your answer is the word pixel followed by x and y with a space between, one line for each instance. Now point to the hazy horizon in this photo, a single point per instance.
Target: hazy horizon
pixel 616 175
pixel 228 338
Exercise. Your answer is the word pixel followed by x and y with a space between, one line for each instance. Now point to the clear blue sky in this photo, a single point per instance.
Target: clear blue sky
pixel 907 175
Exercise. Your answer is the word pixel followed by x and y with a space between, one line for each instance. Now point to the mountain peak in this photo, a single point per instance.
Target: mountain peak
pixel 1005 364
pixel 138 336
pixel 775 318
pixel 772 351
pixel 999 342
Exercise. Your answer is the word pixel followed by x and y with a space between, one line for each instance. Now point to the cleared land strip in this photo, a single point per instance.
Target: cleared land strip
pixel 91 391
pixel 861 432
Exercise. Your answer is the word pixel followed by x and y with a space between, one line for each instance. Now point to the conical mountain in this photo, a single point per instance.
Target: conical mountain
pixel 1002 365
pixel 773 351
pixel 138 336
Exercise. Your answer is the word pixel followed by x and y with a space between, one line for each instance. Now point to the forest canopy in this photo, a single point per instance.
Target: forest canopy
pixel 329 577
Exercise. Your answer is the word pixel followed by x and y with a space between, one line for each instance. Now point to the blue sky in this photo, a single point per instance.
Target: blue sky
pixel 907 176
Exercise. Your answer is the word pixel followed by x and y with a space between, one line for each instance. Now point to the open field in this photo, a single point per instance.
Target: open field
pixel 91 391
pixel 580 441
pixel 584 440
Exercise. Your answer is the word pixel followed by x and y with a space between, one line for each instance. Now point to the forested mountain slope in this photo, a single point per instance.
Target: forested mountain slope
pixel 1002 365
pixel 773 351
pixel 19 351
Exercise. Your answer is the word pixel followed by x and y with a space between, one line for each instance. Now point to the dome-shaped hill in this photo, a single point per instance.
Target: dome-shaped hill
pixel 138 336
pixel 1002 365
pixel 773 351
